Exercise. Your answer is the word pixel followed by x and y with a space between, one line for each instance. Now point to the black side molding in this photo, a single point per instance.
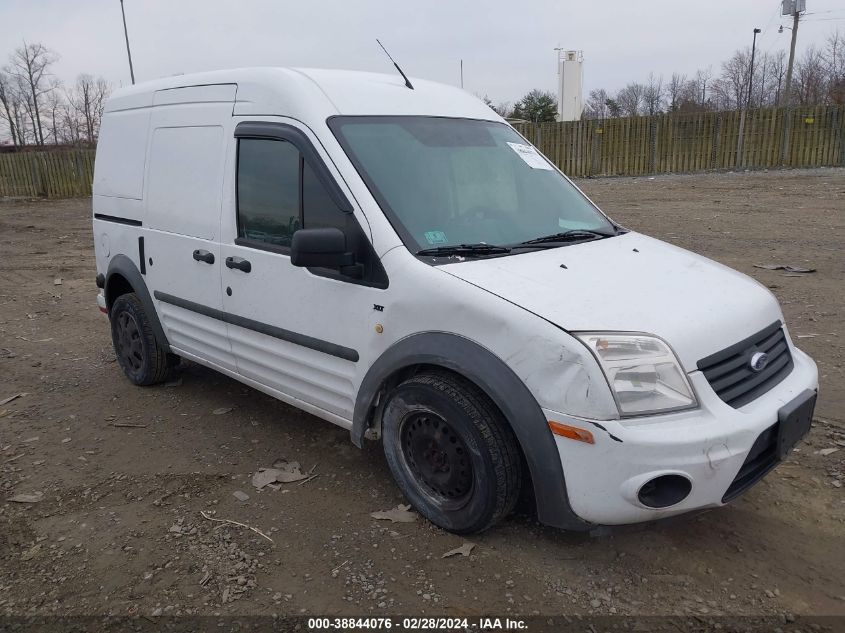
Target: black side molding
pixel 303 340
pixel 141 258
pixel 117 220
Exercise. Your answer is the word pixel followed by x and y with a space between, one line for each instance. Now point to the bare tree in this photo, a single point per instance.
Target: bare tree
pixel 87 99
pixel 688 98
pixel 702 81
pixel 834 54
pixel 9 105
pixel 758 84
pixel 81 100
pixel 809 82
pixel 19 114
pixel 731 87
pixel 675 90
pixel 653 95
pixel 27 111
pixel 54 104
pixel 30 66
pixel 597 105
pixel 777 76
pixel 630 99
pixel 504 109
pixel 56 116
pixel 761 88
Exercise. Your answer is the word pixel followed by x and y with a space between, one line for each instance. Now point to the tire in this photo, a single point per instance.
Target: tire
pixel 451 452
pixel 140 356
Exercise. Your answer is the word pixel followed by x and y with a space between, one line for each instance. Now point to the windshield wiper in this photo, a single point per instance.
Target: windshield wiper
pixel 468 250
pixel 573 235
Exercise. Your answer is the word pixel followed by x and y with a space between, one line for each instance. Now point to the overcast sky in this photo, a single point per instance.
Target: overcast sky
pixel 507 47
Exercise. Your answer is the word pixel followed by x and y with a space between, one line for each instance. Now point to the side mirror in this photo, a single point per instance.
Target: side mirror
pixel 320 248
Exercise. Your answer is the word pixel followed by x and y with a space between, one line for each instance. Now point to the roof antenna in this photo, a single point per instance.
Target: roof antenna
pixel 408 83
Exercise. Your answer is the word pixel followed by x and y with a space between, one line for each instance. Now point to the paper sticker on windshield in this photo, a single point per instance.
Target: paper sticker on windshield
pixel 530 155
pixel 435 237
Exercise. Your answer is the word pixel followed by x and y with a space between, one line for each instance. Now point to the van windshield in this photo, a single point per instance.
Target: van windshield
pixel 446 182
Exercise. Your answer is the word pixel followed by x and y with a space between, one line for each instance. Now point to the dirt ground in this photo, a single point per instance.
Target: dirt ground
pixel 125 473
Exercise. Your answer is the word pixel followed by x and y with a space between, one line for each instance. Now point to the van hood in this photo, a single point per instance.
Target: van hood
pixel 631 283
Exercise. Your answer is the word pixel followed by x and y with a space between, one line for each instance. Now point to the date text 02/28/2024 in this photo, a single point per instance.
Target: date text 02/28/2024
pixel 417 624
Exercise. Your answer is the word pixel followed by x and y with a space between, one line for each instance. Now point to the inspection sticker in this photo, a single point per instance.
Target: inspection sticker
pixel 435 237
pixel 531 156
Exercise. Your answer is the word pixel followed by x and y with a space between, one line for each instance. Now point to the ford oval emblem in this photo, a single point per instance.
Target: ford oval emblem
pixel 759 361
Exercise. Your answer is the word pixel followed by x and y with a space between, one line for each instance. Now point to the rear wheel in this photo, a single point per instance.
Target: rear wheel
pixel 451 451
pixel 140 356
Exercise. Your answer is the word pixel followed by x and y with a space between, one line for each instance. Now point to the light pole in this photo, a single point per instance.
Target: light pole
pixel 126 35
pixel 751 71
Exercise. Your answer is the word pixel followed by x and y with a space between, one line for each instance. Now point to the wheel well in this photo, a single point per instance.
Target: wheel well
pixel 396 378
pixel 116 285
pixel 400 375
pixel 451 352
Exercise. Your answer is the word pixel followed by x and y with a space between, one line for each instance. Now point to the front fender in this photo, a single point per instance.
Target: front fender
pixel 493 376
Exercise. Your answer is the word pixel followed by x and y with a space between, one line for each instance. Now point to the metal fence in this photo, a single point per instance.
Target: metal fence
pixel 666 143
pixel 673 143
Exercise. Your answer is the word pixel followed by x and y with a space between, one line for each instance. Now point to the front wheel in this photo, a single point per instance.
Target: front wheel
pixel 451 451
pixel 140 356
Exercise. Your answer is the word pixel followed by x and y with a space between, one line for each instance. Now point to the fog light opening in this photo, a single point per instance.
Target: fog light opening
pixel 664 491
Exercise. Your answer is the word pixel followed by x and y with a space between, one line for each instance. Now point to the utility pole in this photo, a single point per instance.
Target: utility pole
pixel 795 7
pixel 128 52
pixel 796 16
pixel 462 74
pixel 751 70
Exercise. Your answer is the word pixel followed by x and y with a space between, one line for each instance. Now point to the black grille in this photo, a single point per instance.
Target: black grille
pixel 729 371
pixel 761 459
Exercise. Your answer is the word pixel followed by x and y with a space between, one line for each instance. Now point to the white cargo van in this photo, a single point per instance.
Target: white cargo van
pixel 394 258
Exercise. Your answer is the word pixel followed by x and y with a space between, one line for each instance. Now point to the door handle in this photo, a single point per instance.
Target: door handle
pixel 204 256
pixel 239 263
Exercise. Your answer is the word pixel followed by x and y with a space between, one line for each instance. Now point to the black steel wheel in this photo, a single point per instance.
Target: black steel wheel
pixel 451 451
pixel 438 457
pixel 128 345
pixel 138 353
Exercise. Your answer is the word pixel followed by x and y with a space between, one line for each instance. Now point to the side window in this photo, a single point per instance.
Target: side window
pixel 269 191
pixel 318 209
pixel 279 193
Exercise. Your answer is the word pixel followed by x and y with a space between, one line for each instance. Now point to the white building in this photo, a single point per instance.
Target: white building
pixel 570 98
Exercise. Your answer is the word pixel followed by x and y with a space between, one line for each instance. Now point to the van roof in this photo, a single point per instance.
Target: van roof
pixel 308 94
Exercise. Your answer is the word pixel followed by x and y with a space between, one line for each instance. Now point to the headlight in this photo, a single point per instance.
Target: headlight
pixel 643 372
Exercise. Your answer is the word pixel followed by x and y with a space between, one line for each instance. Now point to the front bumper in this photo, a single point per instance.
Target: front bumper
pixel 707 445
